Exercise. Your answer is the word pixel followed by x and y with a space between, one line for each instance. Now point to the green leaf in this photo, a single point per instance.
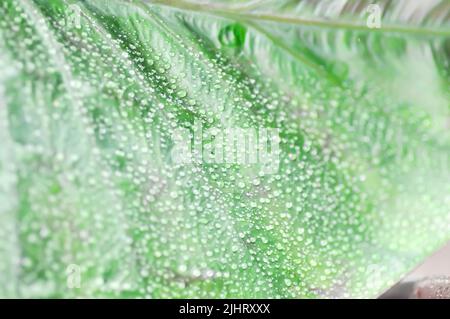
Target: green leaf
pixel 94 204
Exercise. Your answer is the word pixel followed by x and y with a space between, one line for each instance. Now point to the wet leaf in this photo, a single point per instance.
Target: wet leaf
pixel 100 99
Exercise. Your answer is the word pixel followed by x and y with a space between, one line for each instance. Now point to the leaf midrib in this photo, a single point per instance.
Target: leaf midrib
pixel 330 24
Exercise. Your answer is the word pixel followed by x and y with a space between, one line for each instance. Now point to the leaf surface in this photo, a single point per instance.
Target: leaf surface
pixel 91 93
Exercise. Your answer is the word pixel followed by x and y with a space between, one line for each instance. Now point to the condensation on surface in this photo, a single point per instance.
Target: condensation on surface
pixel 92 203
